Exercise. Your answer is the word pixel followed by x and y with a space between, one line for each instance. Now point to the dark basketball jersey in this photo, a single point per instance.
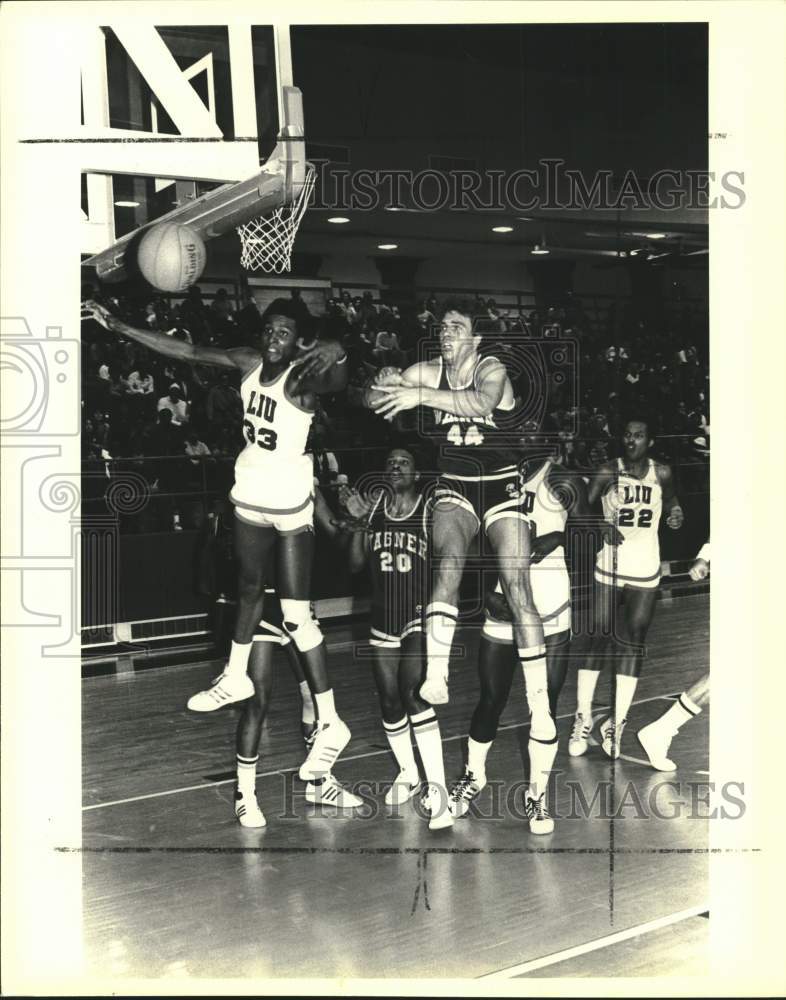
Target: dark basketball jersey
pixel 398 558
pixel 474 446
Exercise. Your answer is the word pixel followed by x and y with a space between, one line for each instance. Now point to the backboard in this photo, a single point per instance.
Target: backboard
pixel 173 117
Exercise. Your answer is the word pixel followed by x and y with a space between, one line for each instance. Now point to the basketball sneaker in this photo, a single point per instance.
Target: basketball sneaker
pixel 329 740
pixel 330 792
pixel 309 733
pixel 579 736
pixel 405 786
pixel 247 810
pixel 436 803
pixel 467 788
pixel 655 740
pixel 434 688
pixel 225 690
pixel 611 736
pixel 538 814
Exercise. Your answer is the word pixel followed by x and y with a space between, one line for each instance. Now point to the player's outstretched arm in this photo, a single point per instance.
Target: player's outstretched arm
pixel 170 347
pixel 323 369
pixel 671 504
pixel 478 400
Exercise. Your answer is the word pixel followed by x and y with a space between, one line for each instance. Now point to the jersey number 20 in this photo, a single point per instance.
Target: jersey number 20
pixel 265 437
pixel 403 562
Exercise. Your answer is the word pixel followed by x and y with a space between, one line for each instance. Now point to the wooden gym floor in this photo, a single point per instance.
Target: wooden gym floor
pixel 174 886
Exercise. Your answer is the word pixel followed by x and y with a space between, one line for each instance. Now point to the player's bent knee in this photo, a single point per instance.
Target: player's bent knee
pixel 300 624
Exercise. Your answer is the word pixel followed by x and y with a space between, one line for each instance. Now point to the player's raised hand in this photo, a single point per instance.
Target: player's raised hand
pixel 354 503
pixel 675 518
pixel 398 398
pixel 93 310
pixel 699 569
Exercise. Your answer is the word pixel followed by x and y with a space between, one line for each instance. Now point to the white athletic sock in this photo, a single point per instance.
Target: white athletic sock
pixel 307 713
pixel 238 658
pixel 398 734
pixel 476 757
pixel 326 706
pixel 246 774
pixel 587 681
pixel 682 711
pixel 541 761
pixel 441 621
pixel 626 688
pixel 533 663
pixel 425 726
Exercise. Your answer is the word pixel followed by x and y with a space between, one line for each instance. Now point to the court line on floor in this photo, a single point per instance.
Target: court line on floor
pixel 598 943
pixel 343 760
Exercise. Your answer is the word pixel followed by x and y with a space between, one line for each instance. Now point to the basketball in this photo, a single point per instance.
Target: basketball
pixel 171 257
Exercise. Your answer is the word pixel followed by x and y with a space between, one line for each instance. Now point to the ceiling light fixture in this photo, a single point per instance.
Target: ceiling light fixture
pixel 538 248
pixel 655 236
pixel 502 229
pixel 338 219
pixel 127 204
pixel 387 246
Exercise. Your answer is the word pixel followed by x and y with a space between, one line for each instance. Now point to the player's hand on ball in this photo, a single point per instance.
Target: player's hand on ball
pixel 388 376
pixel 396 399
pixel 92 310
pixel 699 569
pixel 675 518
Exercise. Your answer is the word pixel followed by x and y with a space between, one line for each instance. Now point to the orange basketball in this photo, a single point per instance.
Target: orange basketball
pixel 171 256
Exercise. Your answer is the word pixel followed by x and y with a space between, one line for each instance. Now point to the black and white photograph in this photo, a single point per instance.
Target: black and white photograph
pixel 359 513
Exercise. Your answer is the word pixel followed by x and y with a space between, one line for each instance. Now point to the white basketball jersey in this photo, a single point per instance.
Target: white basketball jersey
pixel 273 473
pixel 634 507
pixel 545 512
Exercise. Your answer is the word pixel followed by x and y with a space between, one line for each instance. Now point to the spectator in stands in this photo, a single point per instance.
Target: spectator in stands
pixel 194 316
pixel 175 403
pixel 303 313
pixel 224 406
pixel 196 449
pixel 386 349
pixel 425 317
pixel 140 382
pixel 248 321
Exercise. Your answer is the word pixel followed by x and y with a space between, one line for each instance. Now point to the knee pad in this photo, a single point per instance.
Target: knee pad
pixel 300 624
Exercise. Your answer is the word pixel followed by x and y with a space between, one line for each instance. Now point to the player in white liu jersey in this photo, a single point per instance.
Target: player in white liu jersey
pixel 634 490
pixel 272 497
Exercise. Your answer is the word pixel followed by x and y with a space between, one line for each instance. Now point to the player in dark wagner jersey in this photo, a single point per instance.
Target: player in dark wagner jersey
pixel 479 487
pixel 395 546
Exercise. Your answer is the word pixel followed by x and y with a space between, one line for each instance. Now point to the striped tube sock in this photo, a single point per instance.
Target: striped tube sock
pixel 476 757
pixel 441 621
pixel 425 726
pixel 398 734
pixel 533 664
pixel 682 711
pixel 246 774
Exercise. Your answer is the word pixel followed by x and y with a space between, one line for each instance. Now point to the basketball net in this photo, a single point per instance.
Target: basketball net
pixel 267 241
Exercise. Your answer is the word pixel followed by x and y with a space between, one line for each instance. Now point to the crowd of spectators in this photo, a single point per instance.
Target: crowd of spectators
pixel 180 424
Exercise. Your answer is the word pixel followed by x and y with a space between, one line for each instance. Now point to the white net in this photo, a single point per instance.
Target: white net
pixel 267 241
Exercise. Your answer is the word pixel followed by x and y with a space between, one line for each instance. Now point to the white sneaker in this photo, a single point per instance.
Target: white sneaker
pixel 611 736
pixel 437 804
pixel 225 690
pixel 434 688
pixel 330 740
pixel 247 810
pixel 538 815
pixel 331 792
pixel 467 788
pixel 579 735
pixel 405 785
pixel 655 741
